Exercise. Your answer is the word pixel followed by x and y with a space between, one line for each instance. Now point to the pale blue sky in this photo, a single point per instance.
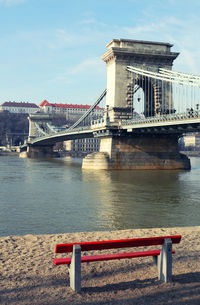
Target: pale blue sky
pixel 51 49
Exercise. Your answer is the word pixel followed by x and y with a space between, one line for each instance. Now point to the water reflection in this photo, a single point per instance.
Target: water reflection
pixel 135 199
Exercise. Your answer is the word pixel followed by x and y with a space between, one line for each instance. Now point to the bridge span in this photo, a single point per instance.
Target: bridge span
pixel 148 107
pixel 162 125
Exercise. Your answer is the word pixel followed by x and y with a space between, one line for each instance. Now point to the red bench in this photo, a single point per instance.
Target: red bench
pixel 162 257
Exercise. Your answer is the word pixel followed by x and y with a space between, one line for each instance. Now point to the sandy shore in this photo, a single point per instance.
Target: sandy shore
pixel 28 276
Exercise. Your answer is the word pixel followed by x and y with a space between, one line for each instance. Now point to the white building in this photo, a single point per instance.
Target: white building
pixel 192 141
pixel 82 145
pixel 21 107
pixel 189 140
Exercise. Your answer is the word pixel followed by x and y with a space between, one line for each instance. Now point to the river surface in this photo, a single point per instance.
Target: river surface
pixel 45 197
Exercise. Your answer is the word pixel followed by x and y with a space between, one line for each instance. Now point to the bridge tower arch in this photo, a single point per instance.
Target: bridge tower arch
pixel 120 82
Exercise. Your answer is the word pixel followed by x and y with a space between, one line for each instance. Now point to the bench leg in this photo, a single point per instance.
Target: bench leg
pixel 165 262
pixel 75 269
pixel 155 259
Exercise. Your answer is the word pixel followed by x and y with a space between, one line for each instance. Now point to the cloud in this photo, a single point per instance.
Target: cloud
pixel 182 33
pixel 155 29
pixel 45 40
pixel 88 21
pixel 89 18
pixel 89 65
pixel 92 21
pixel 87 69
pixel 53 39
pixel 11 2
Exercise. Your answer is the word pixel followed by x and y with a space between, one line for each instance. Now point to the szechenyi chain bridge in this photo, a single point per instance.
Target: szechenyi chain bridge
pixel 138 73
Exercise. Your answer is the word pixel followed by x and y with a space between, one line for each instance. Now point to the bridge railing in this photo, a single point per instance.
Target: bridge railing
pixel 163 118
pixel 98 123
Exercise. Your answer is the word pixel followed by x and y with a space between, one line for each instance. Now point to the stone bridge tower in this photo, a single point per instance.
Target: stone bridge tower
pixel 131 150
pixel 38 121
pixel 38 126
pixel 140 54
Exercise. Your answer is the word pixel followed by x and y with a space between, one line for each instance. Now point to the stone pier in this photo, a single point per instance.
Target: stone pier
pixel 38 152
pixel 138 152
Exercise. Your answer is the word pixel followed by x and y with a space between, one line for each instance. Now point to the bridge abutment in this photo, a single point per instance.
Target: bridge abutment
pixel 39 152
pixel 138 152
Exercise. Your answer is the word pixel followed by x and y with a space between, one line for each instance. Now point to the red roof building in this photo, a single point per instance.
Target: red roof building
pixel 67 108
pixel 44 103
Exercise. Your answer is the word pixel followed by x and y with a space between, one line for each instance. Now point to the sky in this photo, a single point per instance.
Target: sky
pixel 51 49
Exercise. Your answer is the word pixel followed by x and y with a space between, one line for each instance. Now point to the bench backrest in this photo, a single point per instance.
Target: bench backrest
pixel 116 244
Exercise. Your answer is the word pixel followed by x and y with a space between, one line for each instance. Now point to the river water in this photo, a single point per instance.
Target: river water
pixel 39 197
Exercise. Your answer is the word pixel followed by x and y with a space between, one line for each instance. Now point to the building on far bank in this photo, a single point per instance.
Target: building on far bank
pixel 82 146
pixel 72 111
pixel 191 141
pixel 19 107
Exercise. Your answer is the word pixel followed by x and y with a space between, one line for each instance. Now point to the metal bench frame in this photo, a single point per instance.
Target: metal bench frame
pixel 162 258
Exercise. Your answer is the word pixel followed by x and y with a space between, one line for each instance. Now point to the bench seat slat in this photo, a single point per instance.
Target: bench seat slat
pixel 116 244
pixel 106 257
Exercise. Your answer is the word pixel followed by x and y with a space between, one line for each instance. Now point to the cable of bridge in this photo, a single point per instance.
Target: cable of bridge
pixel 41 130
pixel 85 115
pixel 163 94
pixel 163 77
pixel 179 74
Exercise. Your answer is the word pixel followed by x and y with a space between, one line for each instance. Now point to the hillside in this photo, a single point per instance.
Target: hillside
pixel 14 127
